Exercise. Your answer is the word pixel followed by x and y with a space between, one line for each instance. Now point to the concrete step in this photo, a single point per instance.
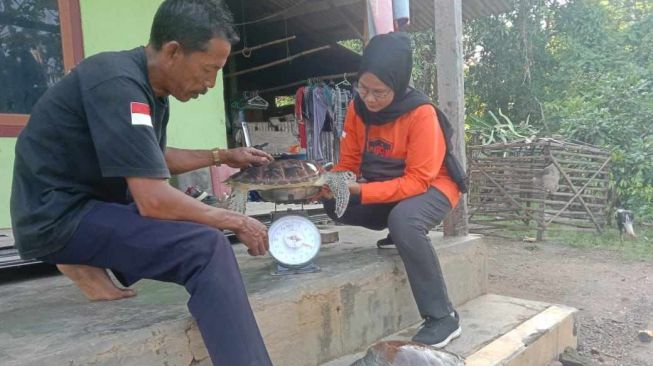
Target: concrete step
pixel 499 330
pixel 361 295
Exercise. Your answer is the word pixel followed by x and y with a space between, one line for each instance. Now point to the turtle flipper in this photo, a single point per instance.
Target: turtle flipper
pixel 338 183
pixel 238 200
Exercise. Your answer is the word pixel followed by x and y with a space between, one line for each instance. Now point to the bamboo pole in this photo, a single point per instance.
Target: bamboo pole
pixel 247 51
pixel 301 82
pixel 508 196
pixel 279 62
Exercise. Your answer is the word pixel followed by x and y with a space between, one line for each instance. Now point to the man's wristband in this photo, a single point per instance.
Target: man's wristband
pixel 216 157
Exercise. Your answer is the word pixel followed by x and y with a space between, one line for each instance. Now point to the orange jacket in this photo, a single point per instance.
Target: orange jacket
pixel 415 137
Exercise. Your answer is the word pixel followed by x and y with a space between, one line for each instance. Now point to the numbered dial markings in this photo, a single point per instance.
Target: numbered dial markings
pixel 294 240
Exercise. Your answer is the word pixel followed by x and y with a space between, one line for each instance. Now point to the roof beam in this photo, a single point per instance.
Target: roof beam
pixel 347 19
pixel 314 7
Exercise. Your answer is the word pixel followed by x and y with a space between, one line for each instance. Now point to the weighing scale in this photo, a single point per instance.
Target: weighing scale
pixel 294 242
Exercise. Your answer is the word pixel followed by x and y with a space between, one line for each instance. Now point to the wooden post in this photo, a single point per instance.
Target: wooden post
pixel 449 61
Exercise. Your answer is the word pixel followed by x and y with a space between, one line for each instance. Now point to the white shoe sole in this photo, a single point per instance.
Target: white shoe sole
pixel 450 338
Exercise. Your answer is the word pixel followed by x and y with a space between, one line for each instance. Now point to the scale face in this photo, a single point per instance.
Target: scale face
pixel 294 241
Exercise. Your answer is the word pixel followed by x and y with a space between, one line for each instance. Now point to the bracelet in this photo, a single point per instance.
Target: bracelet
pixel 216 157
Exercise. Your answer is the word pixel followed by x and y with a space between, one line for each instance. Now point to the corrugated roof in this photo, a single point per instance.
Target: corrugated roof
pixel 335 20
pixel 317 23
pixel 422 11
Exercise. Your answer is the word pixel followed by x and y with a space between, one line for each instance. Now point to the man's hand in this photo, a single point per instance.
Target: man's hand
pixel 244 157
pixel 254 235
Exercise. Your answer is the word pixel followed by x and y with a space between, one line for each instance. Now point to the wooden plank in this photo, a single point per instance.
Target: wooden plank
pixel 596 162
pixel 520 147
pixel 555 203
pixel 585 151
pixel 451 100
pixel 499 202
pixel 512 158
pixel 597 156
pixel 575 223
pixel 537 159
pixel 580 215
pixel 503 219
pixel 511 169
pixel 517 189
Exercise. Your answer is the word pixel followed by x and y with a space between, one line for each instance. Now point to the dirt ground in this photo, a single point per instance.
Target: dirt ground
pixel 614 295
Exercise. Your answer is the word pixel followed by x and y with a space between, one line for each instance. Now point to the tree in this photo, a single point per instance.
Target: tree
pixel 580 68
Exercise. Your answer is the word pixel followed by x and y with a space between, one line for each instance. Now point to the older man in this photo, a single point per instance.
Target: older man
pixel 90 184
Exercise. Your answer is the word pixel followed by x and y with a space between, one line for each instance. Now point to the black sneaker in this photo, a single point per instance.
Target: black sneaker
pixel 385 242
pixel 202 196
pixel 438 332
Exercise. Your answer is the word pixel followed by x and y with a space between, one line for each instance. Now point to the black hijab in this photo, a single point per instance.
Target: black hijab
pixel 390 58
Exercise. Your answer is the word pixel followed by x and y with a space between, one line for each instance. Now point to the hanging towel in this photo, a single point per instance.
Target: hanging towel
pixel 380 18
pixel 401 12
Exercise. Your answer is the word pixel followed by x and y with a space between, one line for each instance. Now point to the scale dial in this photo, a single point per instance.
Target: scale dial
pixel 294 241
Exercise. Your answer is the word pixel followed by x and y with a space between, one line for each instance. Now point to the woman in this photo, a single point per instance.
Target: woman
pixel 393 141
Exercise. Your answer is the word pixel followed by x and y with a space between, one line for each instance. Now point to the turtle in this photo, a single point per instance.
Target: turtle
pixel 401 353
pixel 289 181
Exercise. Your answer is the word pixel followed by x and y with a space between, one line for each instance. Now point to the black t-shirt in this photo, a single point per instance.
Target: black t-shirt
pixel 98 125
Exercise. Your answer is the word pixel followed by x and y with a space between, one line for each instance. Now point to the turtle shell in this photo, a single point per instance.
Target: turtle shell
pixel 400 353
pixel 279 173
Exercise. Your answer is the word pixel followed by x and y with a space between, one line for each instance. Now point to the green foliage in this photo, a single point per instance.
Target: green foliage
pixel 582 69
pixel 498 130
pixel 605 65
pixel 425 76
pixel 638 248
pixel 355 45
pixel 284 101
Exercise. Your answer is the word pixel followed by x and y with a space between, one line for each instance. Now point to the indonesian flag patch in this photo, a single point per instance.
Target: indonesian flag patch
pixel 141 115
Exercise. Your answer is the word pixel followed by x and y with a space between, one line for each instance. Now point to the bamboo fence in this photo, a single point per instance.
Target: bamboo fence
pixel 537 184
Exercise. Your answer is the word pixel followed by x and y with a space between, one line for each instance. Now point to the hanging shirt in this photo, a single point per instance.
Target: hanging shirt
pixel 299 116
pixel 415 137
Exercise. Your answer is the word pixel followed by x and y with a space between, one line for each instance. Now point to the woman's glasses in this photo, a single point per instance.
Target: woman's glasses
pixel 377 94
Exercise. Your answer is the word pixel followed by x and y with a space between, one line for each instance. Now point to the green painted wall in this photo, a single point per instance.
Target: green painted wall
pixel 111 25
pixel 6 167
pixel 125 24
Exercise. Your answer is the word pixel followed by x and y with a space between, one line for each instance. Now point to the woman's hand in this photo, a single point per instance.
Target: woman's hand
pixel 325 192
pixel 355 188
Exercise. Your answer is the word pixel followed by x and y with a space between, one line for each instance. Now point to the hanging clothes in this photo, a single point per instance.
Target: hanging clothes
pixel 320 113
pixel 342 98
pixel 380 17
pixel 299 117
pixel 321 110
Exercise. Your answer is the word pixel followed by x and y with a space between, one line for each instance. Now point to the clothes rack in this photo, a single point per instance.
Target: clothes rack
pixel 306 81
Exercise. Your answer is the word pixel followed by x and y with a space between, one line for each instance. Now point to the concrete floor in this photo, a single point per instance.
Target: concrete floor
pixel 483 321
pixel 305 319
